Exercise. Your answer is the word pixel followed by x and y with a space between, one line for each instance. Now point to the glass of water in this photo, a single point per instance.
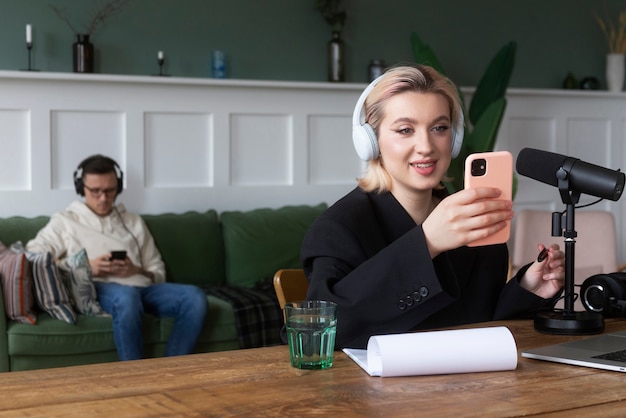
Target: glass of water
pixel 311 328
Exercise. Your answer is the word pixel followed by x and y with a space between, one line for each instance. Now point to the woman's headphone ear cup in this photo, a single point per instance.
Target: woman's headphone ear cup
pixel 365 142
pixel 458 133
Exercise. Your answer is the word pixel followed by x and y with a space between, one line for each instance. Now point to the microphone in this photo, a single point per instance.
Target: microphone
pixel 550 168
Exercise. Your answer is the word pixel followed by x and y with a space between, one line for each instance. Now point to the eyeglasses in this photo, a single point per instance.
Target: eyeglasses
pixel 98 192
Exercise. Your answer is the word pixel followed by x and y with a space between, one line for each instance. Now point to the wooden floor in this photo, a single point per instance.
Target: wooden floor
pixel 260 382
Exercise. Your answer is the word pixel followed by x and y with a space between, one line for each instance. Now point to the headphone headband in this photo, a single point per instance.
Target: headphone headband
pixel 79 186
pixel 365 140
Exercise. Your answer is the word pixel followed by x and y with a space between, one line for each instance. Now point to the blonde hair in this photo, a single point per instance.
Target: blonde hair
pixel 396 80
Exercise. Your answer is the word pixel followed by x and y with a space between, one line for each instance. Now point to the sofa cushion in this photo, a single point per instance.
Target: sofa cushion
pixel 17 286
pixel 81 285
pixel 189 243
pixel 259 242
pixel 18 228
pixel 54 343
pixel 50 291
pixel 51 337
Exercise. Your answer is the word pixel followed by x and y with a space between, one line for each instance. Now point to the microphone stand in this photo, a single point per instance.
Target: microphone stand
pixel 568 321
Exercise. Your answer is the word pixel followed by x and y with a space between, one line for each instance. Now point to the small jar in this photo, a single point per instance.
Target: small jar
pixel 375 69
pixel 218 64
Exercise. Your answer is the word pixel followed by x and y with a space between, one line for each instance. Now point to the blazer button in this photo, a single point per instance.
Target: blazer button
pixel 409 300
pixel 417 296
pixel 402 305
pixel 423 291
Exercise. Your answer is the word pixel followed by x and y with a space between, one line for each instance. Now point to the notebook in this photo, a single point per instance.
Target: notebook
pixel 437 352
pixel 607 351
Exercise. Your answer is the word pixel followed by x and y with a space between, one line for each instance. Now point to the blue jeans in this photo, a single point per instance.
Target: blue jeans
pixel 127 304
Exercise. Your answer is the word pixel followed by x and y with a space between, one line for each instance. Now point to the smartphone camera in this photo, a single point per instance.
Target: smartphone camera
pixel 479 167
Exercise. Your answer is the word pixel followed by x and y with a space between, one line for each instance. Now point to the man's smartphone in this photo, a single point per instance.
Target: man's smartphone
pixel 491 169
pixel 118 255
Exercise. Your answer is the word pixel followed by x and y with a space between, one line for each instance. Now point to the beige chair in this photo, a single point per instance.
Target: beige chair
pixel 595 248
pixel 290 285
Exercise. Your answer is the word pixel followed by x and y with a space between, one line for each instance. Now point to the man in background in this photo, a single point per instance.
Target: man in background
pixel 127 284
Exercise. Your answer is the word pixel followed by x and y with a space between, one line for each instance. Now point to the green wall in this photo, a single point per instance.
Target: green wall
pixel 286 39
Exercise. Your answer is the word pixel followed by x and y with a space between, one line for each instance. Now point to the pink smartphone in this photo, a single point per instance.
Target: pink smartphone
pixel 491 169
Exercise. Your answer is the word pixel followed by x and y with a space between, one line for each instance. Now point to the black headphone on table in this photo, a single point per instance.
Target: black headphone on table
pixel 605 294
pixel 78 174
pixel 365 140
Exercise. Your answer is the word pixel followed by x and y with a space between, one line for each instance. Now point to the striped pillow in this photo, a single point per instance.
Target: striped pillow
pixel 50 290
pixel 17 286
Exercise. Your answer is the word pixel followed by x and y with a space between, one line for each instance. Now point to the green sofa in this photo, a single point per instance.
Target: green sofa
pixel 234 250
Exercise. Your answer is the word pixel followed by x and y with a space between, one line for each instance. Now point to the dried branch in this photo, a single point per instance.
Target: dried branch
pixel 98 15
pixel 63 18
pixel 615 34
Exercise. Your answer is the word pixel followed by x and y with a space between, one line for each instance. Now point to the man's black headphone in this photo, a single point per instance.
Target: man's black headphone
pixel 78 174
pixel 605 294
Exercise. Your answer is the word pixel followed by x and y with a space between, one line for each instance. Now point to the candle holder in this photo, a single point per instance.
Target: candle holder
pixel 29 48
pixel 161 62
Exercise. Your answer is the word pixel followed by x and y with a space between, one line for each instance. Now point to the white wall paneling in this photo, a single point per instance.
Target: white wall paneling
pixel 183 144
pixel 194 144
pixel 15 155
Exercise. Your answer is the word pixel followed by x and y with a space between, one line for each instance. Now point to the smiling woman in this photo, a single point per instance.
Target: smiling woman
pixel 393 252
pixel 378 93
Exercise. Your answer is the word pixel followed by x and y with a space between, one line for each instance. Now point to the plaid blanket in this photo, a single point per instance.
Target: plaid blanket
pixel 257 314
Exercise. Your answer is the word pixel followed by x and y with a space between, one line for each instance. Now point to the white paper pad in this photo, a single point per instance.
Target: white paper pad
pixel 438 352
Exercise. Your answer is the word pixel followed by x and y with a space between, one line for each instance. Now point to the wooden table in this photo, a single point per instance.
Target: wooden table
pixel 260 382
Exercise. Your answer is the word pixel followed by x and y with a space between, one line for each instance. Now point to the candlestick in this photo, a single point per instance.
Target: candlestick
pixel 29 46
pixel 161 62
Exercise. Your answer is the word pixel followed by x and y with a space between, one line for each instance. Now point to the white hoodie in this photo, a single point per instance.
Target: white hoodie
pixel 79 227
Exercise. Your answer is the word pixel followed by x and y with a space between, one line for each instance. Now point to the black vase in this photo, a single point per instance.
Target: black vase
pixel 83 54
pixel 336 59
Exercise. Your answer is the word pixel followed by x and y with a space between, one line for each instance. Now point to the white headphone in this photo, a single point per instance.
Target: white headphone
pixel 364 137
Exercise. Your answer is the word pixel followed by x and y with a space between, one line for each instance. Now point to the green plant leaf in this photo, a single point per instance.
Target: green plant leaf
pixel 483 136
pixel 424 54
pixel 494 82
pixel 455 172
pixel 481 139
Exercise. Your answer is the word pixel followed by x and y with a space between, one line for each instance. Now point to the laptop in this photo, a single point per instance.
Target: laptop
pixel 607 351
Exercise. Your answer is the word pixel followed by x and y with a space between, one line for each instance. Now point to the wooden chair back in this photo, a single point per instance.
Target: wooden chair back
pixel 290 285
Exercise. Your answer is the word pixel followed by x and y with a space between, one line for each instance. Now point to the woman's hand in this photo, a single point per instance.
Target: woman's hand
pixel 464 217
pixel 546 278
pixel 104 266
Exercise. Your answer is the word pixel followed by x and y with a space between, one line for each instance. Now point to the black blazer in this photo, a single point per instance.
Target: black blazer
pixel 367 254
